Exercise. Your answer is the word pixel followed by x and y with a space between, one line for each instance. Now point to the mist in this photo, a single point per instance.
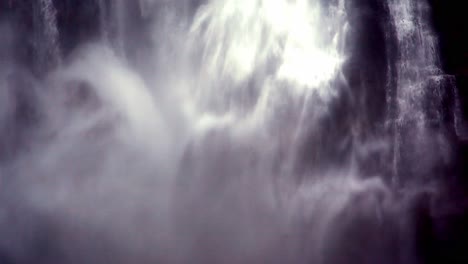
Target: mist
pixel 222 131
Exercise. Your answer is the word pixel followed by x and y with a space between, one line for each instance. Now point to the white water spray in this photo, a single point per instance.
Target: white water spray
pixel 420 88
pixel 51 31
pixel 189 152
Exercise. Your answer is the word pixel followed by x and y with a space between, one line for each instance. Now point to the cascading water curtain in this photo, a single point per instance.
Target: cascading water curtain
pixel 51 33
pixel 420 91
pixel 224 131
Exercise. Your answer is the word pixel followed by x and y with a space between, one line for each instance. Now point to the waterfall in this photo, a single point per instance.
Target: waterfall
pixel 118 18
pixel 112 23
pixel 239 40
pixel 144 7
pixel 103 20
pixel 419 87
pixel 229 131
pixel 51 32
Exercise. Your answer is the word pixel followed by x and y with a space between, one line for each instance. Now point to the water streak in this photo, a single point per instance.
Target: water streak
pixel 51 31
pixel 103 20
pixel 417 64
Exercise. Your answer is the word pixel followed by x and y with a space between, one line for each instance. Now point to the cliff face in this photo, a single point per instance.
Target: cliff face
pixel 77 22
pixel 451 24
pixel 450 21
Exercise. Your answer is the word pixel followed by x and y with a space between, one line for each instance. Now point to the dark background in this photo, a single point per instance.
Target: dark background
pixel 450 21
pixel 451 24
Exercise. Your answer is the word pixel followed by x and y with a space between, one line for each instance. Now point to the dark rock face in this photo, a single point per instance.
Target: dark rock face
pixel 77 21
pixel 448 244
pixel 372 45
pixel 449 21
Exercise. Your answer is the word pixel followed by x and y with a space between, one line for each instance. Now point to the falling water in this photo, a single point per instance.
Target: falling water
pixel 112 23
pixel 103 21
pixel 51 33
pixel 419 88
pixel 118 19
pixel 230 138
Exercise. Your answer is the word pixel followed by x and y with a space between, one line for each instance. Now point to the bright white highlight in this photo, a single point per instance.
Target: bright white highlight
pixel 242 37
